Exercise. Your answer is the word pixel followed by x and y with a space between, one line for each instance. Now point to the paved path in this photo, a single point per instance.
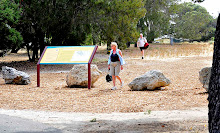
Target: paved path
pixel 13 124
pixel 25 121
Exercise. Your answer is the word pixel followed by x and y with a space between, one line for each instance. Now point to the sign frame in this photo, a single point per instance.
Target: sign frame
pixel 89 63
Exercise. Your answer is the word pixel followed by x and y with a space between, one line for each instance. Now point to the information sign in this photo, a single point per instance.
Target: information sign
pixel 67 55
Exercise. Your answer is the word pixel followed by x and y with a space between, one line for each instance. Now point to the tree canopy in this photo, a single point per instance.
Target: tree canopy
pixel 118 20
pixel 34 24
pixel 156 21
pixel 67 22
pixel 10 14
pixel 186 20
pixel 192 22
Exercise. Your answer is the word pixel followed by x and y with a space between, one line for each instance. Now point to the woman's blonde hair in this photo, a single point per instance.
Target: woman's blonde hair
pixel 114 44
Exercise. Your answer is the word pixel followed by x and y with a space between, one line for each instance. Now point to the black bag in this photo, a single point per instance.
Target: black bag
pixel 108 78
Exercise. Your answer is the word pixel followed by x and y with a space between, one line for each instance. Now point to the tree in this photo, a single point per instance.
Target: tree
pixel 9 17
pixel 60 22
pixel 156 21
pixel 116 20
pixel 192 22
pixel 209 31
pixel 214 86
pixel 68 22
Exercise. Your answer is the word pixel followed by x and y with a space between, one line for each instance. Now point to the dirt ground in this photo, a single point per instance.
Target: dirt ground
pixel 185 91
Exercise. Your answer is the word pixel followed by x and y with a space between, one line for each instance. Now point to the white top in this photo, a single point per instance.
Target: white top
pixel 141 41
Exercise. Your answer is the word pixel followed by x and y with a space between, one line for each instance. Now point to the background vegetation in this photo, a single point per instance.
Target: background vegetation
pixel 33 24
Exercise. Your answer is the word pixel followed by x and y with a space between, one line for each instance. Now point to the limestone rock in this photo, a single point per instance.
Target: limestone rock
pixel 204 76
pixel 13 76
pixel 78 75
pixel 150 81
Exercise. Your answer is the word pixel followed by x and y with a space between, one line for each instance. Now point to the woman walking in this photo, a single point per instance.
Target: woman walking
pixel 115 64
pixel 140 43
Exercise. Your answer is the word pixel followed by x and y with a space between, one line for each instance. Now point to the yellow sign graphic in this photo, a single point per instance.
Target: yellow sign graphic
pixel 67 54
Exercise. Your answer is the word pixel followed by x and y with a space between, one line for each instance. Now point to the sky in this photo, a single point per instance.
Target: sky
pixel 212 6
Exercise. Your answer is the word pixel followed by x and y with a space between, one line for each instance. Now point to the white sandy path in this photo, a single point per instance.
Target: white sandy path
pixel 66 117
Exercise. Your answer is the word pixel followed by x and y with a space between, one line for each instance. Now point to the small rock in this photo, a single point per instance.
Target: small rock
pixel 204 77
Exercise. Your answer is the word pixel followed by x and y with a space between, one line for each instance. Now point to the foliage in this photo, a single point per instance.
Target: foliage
pixel 78 22
pixel 186 20
pixel 9 18
pixel 63 22
pixel 193 22
pixel 198 0
pixel 116 20
pixel 89 22
pixel 210 30
pixel 93 120
pixel 156 21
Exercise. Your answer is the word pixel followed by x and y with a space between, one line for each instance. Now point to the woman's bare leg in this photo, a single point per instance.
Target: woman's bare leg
pixel 119 79
pixel 113 79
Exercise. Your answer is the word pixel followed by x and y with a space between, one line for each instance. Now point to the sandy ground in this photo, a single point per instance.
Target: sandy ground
pixel 184 93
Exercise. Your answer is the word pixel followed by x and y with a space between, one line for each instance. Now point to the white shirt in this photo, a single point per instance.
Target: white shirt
pixel 141 41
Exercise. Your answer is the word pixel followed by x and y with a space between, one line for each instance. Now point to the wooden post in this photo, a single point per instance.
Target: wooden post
pixel 38 75
pixel 89 67
pixel 38 67
pixel 89 76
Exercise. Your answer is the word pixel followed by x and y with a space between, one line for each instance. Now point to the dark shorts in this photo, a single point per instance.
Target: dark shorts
pixel 141 48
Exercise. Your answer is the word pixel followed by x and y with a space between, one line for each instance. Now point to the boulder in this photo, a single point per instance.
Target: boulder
pixel 78 75
pixel 204 76
pixel 13 76
pixel 149 81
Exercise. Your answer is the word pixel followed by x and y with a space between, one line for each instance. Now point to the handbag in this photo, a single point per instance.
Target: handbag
pixel 146 45
pixel 108 78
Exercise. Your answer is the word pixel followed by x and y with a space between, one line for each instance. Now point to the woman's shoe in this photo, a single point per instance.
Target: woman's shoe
pixel 122 84
pixel 113 88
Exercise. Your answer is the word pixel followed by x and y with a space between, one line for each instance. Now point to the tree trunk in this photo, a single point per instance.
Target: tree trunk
pixel 42 46
pixel 214 85
pixel 108 47
pixel 14 49
pixel 28 51
pixel 35 50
